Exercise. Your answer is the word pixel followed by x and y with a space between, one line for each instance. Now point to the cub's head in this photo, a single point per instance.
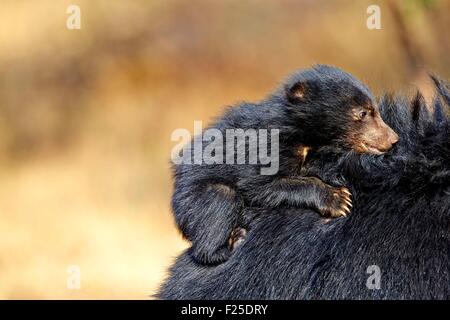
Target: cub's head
pixel 331 107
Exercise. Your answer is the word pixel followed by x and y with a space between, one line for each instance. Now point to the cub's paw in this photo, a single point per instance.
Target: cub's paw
pixel 237 236
pixel 213 255
pixel 338 203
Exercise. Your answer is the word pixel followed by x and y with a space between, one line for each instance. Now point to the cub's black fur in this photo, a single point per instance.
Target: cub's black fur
pixel 315 108
pixel 400 223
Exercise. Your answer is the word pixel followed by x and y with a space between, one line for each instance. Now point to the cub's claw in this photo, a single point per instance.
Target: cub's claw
pixel 345 190
pixel 237 236
pixel 339 204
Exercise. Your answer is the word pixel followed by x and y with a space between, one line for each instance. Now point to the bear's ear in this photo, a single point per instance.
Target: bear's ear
pixel 297 92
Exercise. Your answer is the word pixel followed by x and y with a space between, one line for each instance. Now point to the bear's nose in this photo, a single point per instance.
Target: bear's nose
pixel 393 138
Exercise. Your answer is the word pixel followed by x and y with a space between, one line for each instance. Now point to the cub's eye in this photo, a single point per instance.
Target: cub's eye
pixel 362 114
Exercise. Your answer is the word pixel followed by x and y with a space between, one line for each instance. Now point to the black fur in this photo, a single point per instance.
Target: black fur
pixel 310 108
pixel 400 222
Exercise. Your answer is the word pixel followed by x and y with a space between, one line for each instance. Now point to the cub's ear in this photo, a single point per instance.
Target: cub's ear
pixel 297 92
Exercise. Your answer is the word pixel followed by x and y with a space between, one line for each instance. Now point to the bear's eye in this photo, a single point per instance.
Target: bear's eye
pixel 362 114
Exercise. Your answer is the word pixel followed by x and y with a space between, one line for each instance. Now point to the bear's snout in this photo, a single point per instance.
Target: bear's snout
pixel 377 137
pixel 392 137
pixel 387 139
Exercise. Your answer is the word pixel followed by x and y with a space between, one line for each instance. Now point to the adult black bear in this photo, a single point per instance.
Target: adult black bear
pixel 399 226
pixel 314 108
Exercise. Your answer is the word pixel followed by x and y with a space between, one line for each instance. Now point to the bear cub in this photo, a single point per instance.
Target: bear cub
pixel 320 107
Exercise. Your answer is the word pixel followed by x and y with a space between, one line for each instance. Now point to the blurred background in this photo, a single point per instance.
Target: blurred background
pixel 86 115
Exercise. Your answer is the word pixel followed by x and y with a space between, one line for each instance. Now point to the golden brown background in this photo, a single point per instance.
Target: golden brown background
pixel 86 115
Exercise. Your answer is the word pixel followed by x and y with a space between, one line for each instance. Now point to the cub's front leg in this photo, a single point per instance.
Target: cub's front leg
pixel 298 191
pixel 332 201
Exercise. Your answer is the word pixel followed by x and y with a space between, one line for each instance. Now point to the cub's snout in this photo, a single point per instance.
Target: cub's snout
pixel 375 136
pixel 381 138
